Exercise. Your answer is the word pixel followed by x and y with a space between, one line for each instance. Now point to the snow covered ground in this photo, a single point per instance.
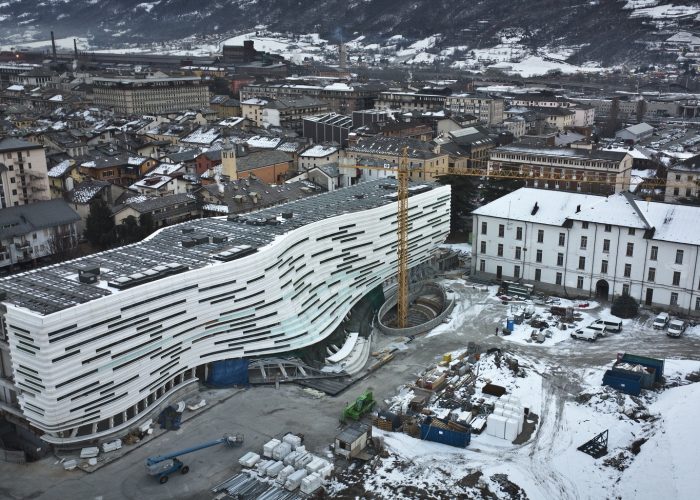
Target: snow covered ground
pixel 651 438
pixel 651 449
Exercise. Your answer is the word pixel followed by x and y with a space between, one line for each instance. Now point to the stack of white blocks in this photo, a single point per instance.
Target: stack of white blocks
pixel 290 463
pixel 506 421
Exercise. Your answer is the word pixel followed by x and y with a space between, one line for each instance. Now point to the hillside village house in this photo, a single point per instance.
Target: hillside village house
pixel 582 245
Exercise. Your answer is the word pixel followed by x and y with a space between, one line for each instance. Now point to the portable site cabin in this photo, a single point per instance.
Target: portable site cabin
pixel 352 441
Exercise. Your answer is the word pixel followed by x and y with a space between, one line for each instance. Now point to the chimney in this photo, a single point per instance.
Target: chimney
pixel 53 46
pixel 75 47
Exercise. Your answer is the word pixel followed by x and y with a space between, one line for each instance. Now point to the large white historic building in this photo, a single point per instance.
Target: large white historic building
pixel 587 246
pixel 97 344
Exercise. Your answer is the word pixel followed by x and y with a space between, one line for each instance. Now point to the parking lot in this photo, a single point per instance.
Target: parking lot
pixel 261 413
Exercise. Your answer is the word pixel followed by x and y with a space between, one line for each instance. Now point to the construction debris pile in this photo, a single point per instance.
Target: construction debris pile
pixel 442 404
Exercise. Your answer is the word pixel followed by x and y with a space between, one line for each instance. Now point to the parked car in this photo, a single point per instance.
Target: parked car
pixel 585 334
pixel 611 325
pixel 676 327
pixel 600 329
pixel 661 321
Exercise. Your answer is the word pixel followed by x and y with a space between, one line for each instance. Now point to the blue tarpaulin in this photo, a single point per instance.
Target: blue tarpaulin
pixel 228 372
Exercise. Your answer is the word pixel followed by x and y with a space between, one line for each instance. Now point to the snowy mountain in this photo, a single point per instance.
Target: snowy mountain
pixel 606 31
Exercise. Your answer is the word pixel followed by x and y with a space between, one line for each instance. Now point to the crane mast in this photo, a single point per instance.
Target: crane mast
pixel 402 233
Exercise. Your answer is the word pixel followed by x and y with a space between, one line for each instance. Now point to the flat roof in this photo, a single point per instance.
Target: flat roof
pixel 56 287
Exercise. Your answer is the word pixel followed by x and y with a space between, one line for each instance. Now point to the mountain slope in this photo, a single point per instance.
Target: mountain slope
pixel 609 31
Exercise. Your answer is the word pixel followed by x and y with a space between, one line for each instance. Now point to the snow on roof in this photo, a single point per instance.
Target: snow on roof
pixel 338 86
pixel 56 98
pixel 674 223
pixel 617 209
pixel 639 128
pixel 263 142
pixel 60 169
pixel 166 169
pixel 554 207
pixel 211 207
pixel 136 160
pixel 85 192
pixel 201 136
pixel 319 150
pixel 151 182
pixel 15 88
pixel 633 152
pixel 255 102
pixel 288 147
pixel 231 122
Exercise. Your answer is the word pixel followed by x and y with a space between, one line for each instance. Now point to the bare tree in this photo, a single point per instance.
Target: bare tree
pixel 63 243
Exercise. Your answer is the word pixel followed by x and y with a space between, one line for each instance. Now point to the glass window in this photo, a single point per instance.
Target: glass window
pixel 630 249
pixel 630 231
pixel 559 276
pixel 483 247
pixel 606 246
pixel 651 276
pixel 584 225
pixel 676 278
pixel 579 282
pixel 518 233
pixel 581 262
pixel 483 228
pixel 608 228
pixel 674 299
pixel 560 259
pixel 562 239
pixel 538 256
pixel 538 274
pixel 518 252
pixel 625 289
pixel 584 242
pixel 604 267
pixel 516 272
pixel 500 249
pixel 654 253
pixel 540 236
pixel 679 256
pixel 482 266
pixel 628 270
pixel 501 230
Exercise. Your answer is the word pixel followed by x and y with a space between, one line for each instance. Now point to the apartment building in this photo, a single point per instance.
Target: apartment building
pixel 23 174
pixel 489 110
pixel 139 96
pixel 588 170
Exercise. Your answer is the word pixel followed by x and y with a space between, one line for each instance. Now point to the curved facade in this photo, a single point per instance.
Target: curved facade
pixel 95 367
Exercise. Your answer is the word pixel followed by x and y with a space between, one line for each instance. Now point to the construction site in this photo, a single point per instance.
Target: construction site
pixel 293 354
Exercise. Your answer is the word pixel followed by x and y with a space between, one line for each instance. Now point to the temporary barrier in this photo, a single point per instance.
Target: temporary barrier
pixel 228 372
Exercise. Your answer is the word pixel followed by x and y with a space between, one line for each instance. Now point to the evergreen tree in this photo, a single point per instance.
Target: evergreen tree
pixel 624 307
pixel 99 225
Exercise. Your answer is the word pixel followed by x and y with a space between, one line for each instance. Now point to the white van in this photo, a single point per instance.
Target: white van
pixel 660 321
pixel 611 325
pixel 585 334
pixel 600 329
pixel 676 327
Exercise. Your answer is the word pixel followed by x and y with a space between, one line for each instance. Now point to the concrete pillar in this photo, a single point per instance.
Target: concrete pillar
pixel 74 432
pixel 110 422
pixel 94 428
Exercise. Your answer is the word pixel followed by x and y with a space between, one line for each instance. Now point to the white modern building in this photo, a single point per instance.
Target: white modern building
pixel 592 246
pixel 99 343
